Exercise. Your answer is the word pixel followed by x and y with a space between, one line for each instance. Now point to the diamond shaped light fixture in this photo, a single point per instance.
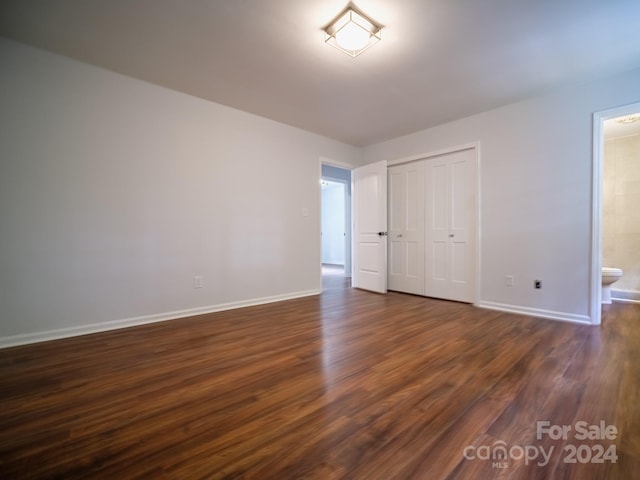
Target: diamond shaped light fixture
pixel 352 31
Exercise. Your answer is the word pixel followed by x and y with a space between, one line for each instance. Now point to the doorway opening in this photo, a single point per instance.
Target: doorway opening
pixel 610 233
pixel 335 223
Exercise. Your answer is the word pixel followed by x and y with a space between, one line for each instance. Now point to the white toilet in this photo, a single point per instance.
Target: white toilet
pixel 609 276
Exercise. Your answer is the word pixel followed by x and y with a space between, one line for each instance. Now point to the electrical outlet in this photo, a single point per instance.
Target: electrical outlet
pixel 509 280
pixel 537 284
pixel 197 281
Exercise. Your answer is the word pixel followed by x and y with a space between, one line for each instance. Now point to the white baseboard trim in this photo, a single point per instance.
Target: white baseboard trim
pixel 537 312
pixel 625 296
pixel 28 338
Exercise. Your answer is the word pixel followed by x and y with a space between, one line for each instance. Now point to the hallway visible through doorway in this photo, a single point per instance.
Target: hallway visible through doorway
pixel 336 218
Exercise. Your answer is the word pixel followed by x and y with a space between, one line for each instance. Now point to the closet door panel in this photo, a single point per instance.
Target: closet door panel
pixel 450 223
pixel 406 228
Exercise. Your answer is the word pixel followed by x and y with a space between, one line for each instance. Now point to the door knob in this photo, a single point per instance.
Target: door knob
pixel 451 235
pixel 382 234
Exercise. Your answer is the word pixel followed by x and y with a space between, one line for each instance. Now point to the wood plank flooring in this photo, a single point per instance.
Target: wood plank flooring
pixel 346 385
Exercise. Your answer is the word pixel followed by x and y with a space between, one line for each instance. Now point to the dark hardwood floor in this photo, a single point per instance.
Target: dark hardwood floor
pixel 346 385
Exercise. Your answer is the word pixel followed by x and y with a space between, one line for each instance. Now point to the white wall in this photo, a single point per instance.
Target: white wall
pixel 333 224
pixel 115 193
pixel 535 187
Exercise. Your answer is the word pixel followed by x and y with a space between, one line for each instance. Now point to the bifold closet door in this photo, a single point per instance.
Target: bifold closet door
pixel 406 227
pixel 450 223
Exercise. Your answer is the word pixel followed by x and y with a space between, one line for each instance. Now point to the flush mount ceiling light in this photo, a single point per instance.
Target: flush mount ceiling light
pixel 352 31
pixel 629 118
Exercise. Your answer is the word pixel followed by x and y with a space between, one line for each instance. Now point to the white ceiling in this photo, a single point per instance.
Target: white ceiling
pixel 438 60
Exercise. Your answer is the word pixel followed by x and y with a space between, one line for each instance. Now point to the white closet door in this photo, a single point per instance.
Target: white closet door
pixel 450 226
pixel 406 227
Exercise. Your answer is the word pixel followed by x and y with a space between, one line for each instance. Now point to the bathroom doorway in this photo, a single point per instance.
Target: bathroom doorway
pixel 616 185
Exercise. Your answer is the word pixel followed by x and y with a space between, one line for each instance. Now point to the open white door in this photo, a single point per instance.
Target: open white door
pixel 370 227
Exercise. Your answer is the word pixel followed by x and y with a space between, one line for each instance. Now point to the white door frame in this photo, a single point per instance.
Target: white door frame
pixel 457 148
pixel 596 204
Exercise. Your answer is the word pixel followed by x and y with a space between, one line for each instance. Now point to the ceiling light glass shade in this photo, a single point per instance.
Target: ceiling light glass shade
pixel 352 32
pixel 352 37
